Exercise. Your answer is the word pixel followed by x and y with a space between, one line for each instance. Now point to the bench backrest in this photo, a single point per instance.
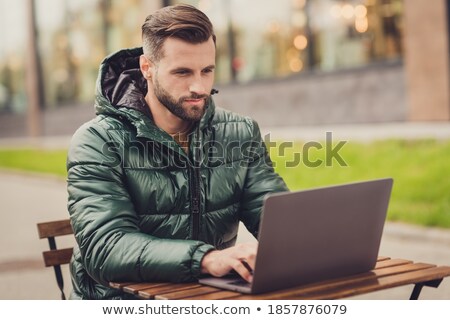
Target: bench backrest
pixel 56 257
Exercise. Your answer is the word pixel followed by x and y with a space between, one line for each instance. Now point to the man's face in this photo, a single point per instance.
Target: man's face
pixel 182 80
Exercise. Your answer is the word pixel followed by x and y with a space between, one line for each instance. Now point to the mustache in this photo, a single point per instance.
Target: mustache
pixel 195 96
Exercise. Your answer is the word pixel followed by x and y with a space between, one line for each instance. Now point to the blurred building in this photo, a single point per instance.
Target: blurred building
pixel 284 62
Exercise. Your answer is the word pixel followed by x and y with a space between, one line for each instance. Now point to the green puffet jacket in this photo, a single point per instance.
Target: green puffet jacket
pixel 143 209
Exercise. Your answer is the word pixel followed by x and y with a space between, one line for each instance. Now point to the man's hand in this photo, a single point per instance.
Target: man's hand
pixel 240 258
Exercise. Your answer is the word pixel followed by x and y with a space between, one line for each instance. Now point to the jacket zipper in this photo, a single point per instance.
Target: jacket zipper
pixel 195 203
pixel 195 191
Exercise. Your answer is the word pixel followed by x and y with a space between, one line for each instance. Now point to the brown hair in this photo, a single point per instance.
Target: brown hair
pixel 182 21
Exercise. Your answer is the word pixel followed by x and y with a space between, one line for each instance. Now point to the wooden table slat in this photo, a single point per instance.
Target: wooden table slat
pixel 224 294
pixel 336 284
pixel 136 287
pixel 381 258
pixel 383 283
pixel 174 287
pixel 186 293
pixel 391 263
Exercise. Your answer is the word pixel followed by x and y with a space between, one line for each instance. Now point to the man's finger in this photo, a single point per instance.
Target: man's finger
pixel 249 256
pixel 249 268
pixel 242 270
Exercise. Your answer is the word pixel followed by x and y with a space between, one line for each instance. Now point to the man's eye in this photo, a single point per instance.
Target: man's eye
pixel 207 70
pixel 182 72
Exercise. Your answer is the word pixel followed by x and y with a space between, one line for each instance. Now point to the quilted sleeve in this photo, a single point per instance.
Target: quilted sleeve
pixel 105 222
pixel 260 180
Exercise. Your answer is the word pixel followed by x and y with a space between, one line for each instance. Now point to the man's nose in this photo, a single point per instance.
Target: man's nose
pixel 197 86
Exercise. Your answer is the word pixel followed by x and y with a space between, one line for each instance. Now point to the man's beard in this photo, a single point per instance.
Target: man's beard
pixel 195 113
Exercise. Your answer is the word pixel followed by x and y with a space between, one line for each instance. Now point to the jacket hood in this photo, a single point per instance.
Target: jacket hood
pixel 121 89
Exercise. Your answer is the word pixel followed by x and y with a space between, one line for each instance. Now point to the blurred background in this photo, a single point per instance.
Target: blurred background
pixel 375 73
pixel 324 61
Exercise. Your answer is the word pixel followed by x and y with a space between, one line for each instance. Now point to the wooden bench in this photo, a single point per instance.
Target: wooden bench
pixel 388 273
pixel 56 257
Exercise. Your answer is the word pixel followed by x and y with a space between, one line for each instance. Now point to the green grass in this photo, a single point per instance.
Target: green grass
pixel 420 168
pixel 32 160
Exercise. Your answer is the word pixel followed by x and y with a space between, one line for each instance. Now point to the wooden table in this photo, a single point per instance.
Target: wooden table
pixel 388 273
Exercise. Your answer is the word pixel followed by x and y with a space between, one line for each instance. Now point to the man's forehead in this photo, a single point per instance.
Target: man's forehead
pixel 178 52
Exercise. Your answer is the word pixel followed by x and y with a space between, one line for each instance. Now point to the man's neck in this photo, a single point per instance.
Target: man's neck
pixel 166 120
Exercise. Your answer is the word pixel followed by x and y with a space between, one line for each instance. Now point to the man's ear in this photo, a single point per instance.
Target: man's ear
pixel 146 67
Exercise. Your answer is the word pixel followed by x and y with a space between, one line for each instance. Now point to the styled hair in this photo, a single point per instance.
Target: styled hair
pixel 182 21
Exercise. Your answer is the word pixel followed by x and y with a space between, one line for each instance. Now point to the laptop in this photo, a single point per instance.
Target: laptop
pixel 314 235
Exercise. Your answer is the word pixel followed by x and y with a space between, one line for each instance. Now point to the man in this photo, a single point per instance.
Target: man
pixel 160 179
